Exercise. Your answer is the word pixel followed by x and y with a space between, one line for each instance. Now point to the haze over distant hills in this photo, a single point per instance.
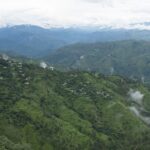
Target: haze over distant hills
pixel 34 41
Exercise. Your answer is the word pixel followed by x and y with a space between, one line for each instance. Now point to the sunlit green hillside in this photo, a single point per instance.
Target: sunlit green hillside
pixel 44 109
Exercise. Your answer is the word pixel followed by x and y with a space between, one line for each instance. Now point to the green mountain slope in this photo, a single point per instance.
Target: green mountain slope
pixel 41 109
pixel 127 58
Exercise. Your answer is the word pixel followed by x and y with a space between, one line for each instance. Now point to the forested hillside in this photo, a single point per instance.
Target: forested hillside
pixel 44 109
pixel 126 58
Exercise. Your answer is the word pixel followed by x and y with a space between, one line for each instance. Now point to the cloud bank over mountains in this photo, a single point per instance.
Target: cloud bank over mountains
pixel 66 13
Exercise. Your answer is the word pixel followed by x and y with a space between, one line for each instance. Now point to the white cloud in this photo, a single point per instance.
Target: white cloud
pixel 136 96
pixel 138 114
pixel 43 65
pixel 118 13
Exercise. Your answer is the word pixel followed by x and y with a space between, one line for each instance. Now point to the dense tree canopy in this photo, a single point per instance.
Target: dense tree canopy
pixel 41 109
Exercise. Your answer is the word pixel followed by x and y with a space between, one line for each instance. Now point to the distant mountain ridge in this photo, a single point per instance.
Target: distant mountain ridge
pixel 34 41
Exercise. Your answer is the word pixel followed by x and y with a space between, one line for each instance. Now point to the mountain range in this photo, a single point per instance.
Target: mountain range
pixel 74 89
pixel 34 41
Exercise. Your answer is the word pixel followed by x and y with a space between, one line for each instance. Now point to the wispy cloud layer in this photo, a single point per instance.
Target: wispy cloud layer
pixel 116 13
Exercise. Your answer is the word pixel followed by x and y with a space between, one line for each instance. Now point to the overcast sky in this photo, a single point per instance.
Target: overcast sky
pixel 116 13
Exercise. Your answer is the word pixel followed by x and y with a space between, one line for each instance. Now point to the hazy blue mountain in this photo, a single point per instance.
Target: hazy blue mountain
pixel 34 41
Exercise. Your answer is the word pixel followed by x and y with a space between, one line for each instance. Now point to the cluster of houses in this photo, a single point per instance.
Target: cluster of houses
pixel 83 85
pixel 13 63
pixel 16 68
